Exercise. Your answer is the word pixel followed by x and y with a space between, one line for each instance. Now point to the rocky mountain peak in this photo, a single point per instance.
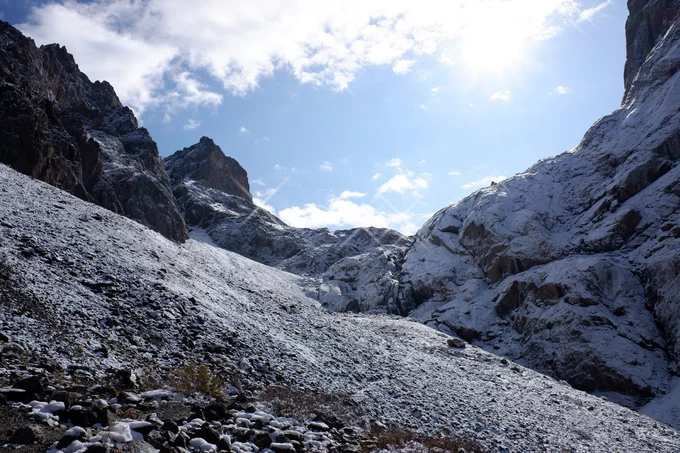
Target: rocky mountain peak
pixel 207 163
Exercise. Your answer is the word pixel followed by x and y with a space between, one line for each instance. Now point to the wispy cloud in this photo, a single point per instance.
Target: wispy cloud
pixel 423 107
pixel 485 181
pixel 279 167
pixel 191 124
pixel 561 90
pixel 243 130
pixel 403 66
pixel 261 140
pixel 351 194
pixel 326 166
pixel 501 96
pixel 590 13
pixel 376 176
pixel 454 173
pixel 394 163
pixel 258 182
pixel 436 90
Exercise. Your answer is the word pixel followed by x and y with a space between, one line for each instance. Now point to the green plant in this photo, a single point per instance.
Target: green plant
pixel 198 379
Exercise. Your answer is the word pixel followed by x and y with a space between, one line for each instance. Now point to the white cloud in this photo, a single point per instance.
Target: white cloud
pixel 345 213
pixel 376 176
pixel 139 46
pixel 436 90
pixel 267 193
pixel 243 130
pixel 263 204
pixel 326 166
pixel 350 194
pixel 259 182
pixel 191 124
pixel 403 182
pixel 485 181
pixel 422 162
pixel 454 173
pixel 423 107
pixel 403 66
pixel 561 90
pixel 501 96
pixel 394 163
pixel 261 140
pixel 280 167
pixel 590 13
pixel 446 58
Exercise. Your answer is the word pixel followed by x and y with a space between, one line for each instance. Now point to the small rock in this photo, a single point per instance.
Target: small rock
pixel 455 342
pixel 129 398
pixel 224 444
pixel 170 426
pixel 282 448
pixel 318 426
pixel 98 448
pixel 24 436
pixel 126 379
pixel 215 412
pixel 262 439
pixel 208 434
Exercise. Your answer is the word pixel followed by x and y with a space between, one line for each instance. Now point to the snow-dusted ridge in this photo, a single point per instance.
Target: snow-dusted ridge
pixel 83 277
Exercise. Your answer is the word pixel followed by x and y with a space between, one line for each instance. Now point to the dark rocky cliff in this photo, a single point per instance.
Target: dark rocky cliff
pixel 58 126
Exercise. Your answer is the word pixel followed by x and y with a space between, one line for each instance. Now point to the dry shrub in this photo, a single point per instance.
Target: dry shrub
pixel 307 404
pixel 403 440
pixel 197 379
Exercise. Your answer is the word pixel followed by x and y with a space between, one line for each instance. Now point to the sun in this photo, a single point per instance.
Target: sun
pixel 493 50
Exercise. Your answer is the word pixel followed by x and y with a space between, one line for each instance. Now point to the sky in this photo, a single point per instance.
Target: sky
pixel 355 112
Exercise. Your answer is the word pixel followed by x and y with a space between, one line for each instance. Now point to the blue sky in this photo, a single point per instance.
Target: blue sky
pixel 372 112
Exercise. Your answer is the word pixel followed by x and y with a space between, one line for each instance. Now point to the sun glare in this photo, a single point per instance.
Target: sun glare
pixel 492 51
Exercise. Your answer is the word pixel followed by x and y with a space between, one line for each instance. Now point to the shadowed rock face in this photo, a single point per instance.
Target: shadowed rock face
pixel 647 21
pixel 59 127
pixel 205 162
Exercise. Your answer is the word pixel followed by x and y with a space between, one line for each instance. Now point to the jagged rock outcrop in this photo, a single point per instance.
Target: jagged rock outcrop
pixel 573 267
pixel 58 126
pixel 205 162
pixel 212 191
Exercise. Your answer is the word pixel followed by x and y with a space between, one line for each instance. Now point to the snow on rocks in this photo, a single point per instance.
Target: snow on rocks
pixel 45 412
pixel 399 372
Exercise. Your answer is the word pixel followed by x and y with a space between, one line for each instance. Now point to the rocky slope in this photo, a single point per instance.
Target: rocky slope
pixel 87 293
pixel 352 270
pixel 573 267
pixel 58 126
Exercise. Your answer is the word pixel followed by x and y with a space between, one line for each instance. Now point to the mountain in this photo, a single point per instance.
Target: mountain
pixel 344 266
pixel 58 126
pixel 570 269
pixel 573 266
pixel 87 295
